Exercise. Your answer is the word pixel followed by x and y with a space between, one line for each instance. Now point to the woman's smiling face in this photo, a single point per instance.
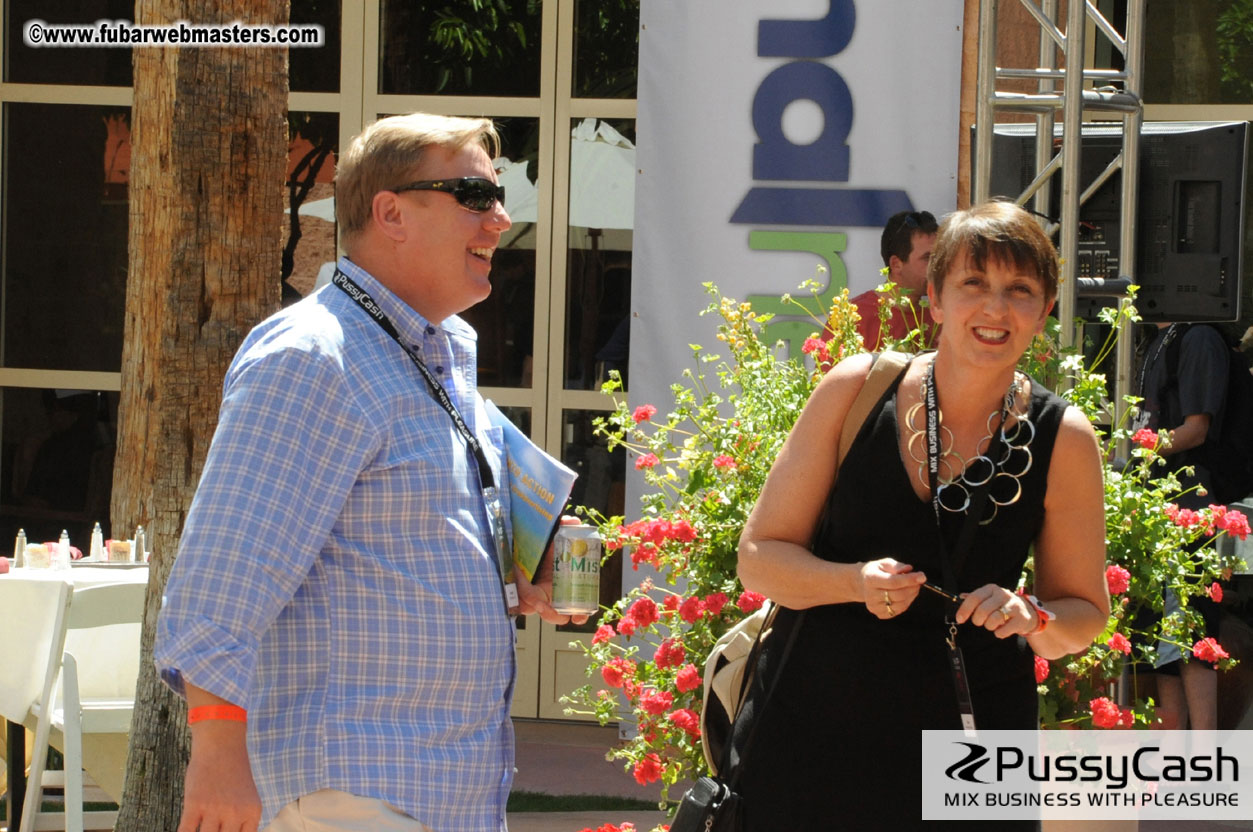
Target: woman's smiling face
pixel 991 312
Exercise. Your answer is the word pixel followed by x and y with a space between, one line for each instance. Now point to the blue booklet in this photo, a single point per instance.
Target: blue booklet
pixel 539 486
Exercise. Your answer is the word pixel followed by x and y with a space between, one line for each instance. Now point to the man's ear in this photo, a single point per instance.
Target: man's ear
pixel 895 264
pixel 387 214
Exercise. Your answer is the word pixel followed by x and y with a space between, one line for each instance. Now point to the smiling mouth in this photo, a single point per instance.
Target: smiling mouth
pixel 991 336
pixel 484 254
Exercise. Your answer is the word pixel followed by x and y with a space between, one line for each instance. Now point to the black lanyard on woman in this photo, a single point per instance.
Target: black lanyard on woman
pixel 487 480
pixel 949 570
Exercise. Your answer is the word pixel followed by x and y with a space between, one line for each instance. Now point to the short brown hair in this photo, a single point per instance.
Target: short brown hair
pixel 1000 231
pixel 387 154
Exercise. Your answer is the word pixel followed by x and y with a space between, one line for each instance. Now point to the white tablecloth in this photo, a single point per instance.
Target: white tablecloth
pixel 28 600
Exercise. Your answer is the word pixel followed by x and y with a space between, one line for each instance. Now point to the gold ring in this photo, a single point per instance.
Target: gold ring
pixel 1004 614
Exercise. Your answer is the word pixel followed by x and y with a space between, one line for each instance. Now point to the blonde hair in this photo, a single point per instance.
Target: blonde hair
pixel 387 154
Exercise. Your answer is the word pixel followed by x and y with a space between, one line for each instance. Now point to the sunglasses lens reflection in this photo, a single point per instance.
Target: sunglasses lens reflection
pixel 479 194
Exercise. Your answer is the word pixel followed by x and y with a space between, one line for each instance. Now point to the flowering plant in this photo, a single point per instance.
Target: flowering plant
pixel 1152 546
pixel 705 461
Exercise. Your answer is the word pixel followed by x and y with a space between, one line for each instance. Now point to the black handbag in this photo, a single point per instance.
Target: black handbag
pixel 712 804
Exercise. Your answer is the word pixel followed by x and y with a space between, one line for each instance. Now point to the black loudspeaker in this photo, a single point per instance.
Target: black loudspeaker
pixel 1190 225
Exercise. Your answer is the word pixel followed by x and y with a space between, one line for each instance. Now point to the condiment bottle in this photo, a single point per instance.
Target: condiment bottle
pixel 62 555
pixel 97 544
pixel 19 548
pixel 140 549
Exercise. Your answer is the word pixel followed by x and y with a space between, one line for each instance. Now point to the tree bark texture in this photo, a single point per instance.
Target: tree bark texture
pixel 208 160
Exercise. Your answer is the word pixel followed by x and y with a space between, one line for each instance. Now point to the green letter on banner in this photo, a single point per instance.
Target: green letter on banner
pixel 825 244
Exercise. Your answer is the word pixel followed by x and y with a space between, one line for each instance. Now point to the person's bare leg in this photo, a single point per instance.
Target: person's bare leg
pixel 1172 703
pixel 1200 688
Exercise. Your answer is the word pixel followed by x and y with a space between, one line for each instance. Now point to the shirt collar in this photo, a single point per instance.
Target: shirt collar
pixel 411 325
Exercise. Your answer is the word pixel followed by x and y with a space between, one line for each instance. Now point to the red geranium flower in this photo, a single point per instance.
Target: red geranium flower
pixel 1105 714
pixel 646 461
pixel 670 653
pixel 643 612
pixel 1145 438
pixel 1120 643
pixel 724 461
pixel 643 413
pixel 1235 524
pixel 690 609
pixel 682 531
pixel 1041 670
pixel 1215 592
pixel 1117 578
pixel 603 633
pixel 750 601
pixel 688 678
pixel 612 674
pixel 656 701
pixel 1209 650
pixel 648 770
pixel 714 602
pixel 671 604
pixel 687 720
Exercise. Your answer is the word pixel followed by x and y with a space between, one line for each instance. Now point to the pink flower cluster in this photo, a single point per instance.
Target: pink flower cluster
pixel 1118 579
pixel 1041 670
pixel 1209 650
pixel 1145 438
pixel 1119 642
pixel 643 413
pixel 652 535
pixel 819 349
pixel 670 653
pixel 609 827
pixel 642 613
pixel 1221 518
pixel 1107 714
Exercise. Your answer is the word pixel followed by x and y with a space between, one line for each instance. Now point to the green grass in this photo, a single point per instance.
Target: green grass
pixel 523 801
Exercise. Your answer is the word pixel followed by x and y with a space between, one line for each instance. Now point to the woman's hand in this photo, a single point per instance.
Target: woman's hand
pixel 997 609
pixel 889 587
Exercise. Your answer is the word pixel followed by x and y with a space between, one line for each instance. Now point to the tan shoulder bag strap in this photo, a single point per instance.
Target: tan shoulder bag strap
pixel 885 370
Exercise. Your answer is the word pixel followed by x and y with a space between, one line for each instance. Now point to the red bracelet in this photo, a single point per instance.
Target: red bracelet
pixel 231 713
pixel 1043 616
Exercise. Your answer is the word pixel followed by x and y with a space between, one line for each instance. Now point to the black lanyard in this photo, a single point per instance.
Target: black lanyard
pixel 363 299
pixel 487 480
pixel 949 570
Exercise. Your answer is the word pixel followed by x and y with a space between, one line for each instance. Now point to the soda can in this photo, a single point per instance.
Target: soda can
pixel 576 570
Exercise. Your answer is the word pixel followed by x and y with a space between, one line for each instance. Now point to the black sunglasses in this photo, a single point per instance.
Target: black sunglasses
pixel 473 192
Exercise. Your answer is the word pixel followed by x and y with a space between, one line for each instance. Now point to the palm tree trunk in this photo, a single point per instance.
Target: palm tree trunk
pixel 209 147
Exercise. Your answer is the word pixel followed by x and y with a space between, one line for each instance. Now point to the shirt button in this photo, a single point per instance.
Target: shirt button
pixel 430 330
pixel 439 370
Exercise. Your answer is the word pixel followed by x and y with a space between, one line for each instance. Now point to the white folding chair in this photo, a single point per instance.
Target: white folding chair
pixel 83 694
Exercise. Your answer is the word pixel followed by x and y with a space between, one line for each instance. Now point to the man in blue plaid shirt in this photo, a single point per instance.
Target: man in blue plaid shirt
pixel 336 616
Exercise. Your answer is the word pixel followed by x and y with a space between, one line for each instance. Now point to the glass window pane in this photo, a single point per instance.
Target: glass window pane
pixel 601 485
pixel 520 416
pixel 460 49
pixel 1202 52
pixel 56 464
pixel 316 69
pixel 309 236
pixel 99 66
pixel 505 321
pixel 606 48
pixel 598 275
pixel 64 238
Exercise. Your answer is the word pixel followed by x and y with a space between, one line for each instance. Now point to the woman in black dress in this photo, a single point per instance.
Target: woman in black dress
pixel 839 745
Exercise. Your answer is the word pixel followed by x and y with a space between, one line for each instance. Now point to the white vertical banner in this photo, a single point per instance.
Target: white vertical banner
pixel 773 138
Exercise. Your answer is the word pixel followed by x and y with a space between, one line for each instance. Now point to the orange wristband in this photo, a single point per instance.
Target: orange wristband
pixel 231 713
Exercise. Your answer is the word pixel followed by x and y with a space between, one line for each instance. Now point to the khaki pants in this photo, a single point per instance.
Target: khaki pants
pixel 330 810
